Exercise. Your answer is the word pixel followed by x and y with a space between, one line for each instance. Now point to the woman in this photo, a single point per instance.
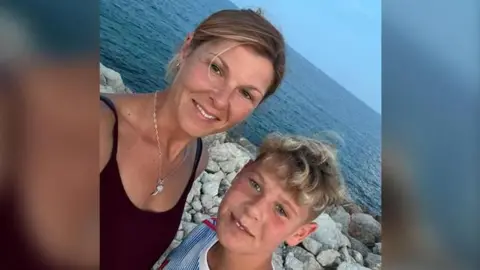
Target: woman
pixel 150 146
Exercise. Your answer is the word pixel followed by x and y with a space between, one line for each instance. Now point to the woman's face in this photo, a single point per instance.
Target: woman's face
pixel 218 85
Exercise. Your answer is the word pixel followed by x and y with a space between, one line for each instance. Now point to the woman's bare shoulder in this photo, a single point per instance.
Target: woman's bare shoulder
pixel 107 122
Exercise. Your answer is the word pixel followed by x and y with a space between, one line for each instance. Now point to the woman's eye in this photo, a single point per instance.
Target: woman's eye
pixel 254 185
pixel 216 69
pixel 246 94
pixel 281 211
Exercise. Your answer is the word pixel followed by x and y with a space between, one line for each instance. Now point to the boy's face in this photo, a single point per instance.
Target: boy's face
pixel 257 214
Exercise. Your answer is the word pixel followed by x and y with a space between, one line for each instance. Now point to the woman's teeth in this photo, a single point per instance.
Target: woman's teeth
pixel 205 114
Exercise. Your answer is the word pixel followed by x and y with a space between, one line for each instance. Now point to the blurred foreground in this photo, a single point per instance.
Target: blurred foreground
pixel 48 140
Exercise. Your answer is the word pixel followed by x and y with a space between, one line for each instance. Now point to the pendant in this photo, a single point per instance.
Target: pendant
pixel 158 189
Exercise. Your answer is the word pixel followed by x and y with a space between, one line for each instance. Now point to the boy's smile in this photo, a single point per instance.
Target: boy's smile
pixel 240 225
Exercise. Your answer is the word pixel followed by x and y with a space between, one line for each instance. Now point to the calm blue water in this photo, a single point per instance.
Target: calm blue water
pixel 139 37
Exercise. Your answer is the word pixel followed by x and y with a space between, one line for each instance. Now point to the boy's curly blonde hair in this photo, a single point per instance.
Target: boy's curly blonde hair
pixel 309 167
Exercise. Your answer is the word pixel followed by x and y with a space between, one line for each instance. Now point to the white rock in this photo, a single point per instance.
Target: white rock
pixel 228 166
pixel 230 177
pixel 196 187
pixel 112 79
pixel 312 264
pixel 214 139
pixel 188 207
pixel 241 161
pixel 212 166
pixel 301 254
pixel 328 234
pixel 344 241
pixel 373 261
pixel 197 206
pixel 106 89
pixel 357 256
pixel 351 266
pixel 213 211
pixel 179 235
pixel 207 201
pixel 377 249
pixel 217 201
pixel 199 217
pixel 221 191
pixel 292 263
pixel 364 228
pixel 338 261
pixel 192 212
pixel 277 261
pixel 215 177
pixel 309 261
pixel 190 197
pixel 103 80
pixel 327 257
pixel 339 225
pixel 359 246
pixel 188 227
pixel 175 243
pixel 221 152
pixel 312 245
pixel 211 188
pixel 227 151
pixel 339 215
pixel 345 255
pixel 204 178
pixel 278 257
pixel 186 217
pixel 218 177
pixel 225 183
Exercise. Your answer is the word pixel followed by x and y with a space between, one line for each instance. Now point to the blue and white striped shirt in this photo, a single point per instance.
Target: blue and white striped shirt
pixel 191 254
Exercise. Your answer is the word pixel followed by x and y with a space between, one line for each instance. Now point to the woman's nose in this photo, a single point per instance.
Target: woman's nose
pixel 220 98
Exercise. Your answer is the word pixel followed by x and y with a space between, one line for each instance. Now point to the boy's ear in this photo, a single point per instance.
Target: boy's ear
pixel 301 233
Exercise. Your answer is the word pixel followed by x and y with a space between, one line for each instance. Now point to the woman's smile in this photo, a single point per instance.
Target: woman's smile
pixel 204 113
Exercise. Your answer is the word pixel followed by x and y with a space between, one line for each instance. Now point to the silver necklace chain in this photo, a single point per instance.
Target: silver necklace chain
pixel 160 181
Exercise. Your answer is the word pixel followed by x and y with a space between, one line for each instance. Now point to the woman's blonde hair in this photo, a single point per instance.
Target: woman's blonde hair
pixel 309 167
pixel 247 27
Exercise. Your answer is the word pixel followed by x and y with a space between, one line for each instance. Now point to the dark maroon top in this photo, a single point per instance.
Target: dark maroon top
pixel 131 238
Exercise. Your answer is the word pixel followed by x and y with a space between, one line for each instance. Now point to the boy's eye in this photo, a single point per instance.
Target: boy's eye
pixel 216 69
pixel 246 94
pixel 281 211
pixel 254 185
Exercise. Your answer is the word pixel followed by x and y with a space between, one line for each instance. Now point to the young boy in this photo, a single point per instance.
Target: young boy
pixel 273 199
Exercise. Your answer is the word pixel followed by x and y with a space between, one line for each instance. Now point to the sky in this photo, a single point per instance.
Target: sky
pixel 340 37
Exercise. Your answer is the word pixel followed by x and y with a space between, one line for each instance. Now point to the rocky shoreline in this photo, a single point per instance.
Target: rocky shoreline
pixel 347 237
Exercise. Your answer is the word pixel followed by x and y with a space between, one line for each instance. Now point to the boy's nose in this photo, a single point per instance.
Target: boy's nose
pixel 255 209
pixel 253 212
